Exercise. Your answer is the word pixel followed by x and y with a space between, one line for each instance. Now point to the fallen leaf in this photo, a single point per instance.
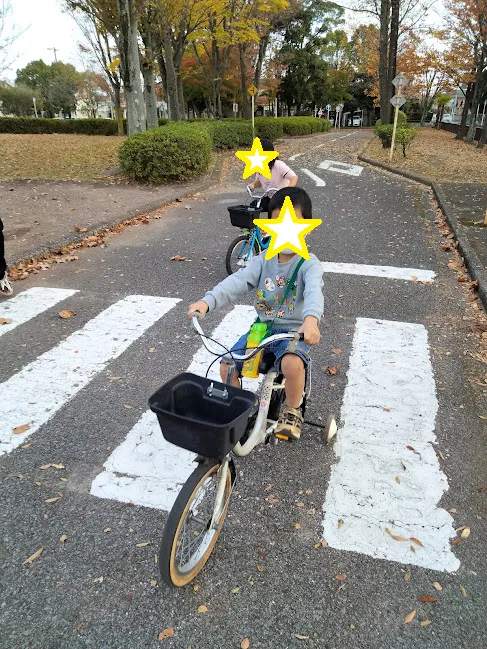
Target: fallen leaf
pixel 202 609
pixel 321 544
pixel 398 479
pixel 67 313
pixel 463 591
pixel 409 618
pixel 337 351
pixel 340 523
pixel 153 582
pixel 107 529
pixel 407 576
pixel 245 644
pixel 301 637
pixel 308 492
pixel 333 369
pixel 18 430
pixel 261 554
pixel 125 405
pixel 236 590
pixel 143 545
pixel 465 533
pixel 64 479
pixel 34 556
pixel 81 626
pixel 414 278
pixel 341 577
pixel 37 484
pixel 428 598
pixel 179 258
pixel 394 536
pixel 404 465
pixel 456 541
pixel 480 416
pixel 452 511
pixel 416 541
pixel 410 448
pixel 412 548
pixel 425 623
pixel 298 526
pixel 63 538
pixel 260 567
pixel 272 500
pixel 77 228
pixel 386 409
pixel 196 588
pixel 437 585
pixel 45 466
pixel 58 466
pixel 441 455
pixel 98 580
pixel 299 504
pixel 167 633
pixel 114 378
pixel 52 500
pixel 26 445
pixel 5 321
pixel 152 350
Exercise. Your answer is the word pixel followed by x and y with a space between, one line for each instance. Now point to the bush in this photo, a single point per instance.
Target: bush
pixel 269 127
pixel 46 125
pixel 174 152
pixel 304 125
pixel 404 135
pixel 384 133
pixel 228 134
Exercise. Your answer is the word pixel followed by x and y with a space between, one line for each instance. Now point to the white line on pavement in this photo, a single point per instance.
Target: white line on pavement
pixel 341 167
pixel 145 469
pixel 388 476
pixel 389 272
pixel 39 390
pixel 296 155
pixel 30 303
pixel 319 181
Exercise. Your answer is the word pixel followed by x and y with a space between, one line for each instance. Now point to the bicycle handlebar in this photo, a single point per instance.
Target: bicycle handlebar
pixel 257 196
pixel 255 350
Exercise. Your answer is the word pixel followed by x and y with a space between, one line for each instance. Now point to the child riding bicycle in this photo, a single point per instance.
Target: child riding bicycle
pixel 281 176
pixel 283 305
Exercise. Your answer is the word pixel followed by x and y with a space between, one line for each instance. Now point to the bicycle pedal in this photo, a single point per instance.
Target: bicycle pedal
pixel 281 436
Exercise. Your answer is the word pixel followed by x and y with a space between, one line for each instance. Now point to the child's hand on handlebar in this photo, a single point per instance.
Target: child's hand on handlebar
pixel 197 307
pixel 310 330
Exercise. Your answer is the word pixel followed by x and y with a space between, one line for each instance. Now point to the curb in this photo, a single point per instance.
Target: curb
pixel 212 179
pixel 472 262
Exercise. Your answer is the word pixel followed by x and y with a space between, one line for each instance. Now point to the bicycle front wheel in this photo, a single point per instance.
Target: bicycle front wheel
pixel 188 541
pixel 240 254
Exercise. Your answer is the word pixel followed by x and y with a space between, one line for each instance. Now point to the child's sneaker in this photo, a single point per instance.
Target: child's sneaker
pixel 5 286
pixel 290 423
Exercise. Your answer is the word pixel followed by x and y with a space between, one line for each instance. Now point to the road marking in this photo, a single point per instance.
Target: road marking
pixel 389 272
pixel 348 135
pixel 40 389
pixel 341 167
pixel 145 469
pixel 296 155
pixel 389 404
pixel 29 304
pixel 319 181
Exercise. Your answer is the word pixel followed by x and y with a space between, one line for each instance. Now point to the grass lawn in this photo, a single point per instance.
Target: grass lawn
pixel 437 155
pixel 57 156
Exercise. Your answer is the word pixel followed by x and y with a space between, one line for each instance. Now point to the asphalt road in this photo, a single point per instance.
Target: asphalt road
pixel 289 596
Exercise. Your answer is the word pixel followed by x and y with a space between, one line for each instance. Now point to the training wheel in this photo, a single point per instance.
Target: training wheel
pixel 330 429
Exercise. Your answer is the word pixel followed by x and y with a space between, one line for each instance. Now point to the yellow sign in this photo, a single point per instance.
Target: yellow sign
pixel 252 90
pixel 287 231
pixel 257 160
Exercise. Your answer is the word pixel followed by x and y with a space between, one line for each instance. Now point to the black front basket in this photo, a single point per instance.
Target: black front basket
pixel 242 216
pixel 202 415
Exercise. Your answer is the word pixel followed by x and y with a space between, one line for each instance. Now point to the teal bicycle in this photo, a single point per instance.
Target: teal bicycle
pixel 250 242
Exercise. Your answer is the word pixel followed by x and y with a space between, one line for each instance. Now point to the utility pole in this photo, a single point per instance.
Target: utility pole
pixel 54 49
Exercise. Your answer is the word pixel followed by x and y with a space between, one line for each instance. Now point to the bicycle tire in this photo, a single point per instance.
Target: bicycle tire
pixel 168 568
pixel 231 250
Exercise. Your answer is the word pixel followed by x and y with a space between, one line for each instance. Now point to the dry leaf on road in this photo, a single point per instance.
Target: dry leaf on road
pixel 144 544
pixel 53 500
pixel 34 556
pixel 245 644
pixel 335 350
pixel 179 258
pixel 425 623
pixel 63 538
pixel 409 618
pixel 333 369
pixel 416 541
pixel 407 576
pixel 202 609
pixel 301 637
pixel 236 590
pixel 98 580
pixel 5 321
pixel 67 313
pixel 465 533
pixel 167 633
pixel 341 577
pixel 395 537
pixel 18 430
pixel 463 591
pixel 437 586
pixel 428 598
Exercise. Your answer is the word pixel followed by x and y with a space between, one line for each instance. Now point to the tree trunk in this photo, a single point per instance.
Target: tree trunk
pixel 264 42
pixel 171 80
pixel 118 108
pixel 475 102
pixel 130 66
pixel 150 95
pixel 462 131
pixel 246 109
pixel 385 10
pixel 394 36
pixel 483 135
pixel 181 102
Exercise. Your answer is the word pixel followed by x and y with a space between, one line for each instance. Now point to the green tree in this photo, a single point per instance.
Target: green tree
pixel 57 84
pixel 16 100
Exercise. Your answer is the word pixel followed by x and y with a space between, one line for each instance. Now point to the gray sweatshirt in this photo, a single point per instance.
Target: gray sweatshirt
pixel 270 278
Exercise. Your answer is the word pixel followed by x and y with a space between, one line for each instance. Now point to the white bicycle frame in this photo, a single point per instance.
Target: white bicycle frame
pixel 262 427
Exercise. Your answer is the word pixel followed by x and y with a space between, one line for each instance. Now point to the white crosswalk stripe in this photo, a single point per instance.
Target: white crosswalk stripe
pixel 39 390
pixel 28 304
pixel 145 469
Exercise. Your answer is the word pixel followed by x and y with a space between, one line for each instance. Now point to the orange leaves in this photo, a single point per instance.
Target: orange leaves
pixel 410 617
pixel 67 313
pixel 167 633
pixel 333 369
pixel 19 430
pixel 428 598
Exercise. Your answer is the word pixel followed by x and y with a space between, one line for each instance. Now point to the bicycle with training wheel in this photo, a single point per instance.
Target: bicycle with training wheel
pixel 214 420
pixel 250 242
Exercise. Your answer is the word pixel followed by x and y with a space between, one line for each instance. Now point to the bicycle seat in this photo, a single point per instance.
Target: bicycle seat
pixel 266 363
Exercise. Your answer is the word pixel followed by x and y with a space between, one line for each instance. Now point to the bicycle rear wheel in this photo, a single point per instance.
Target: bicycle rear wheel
pixel 239 253
pixel 188 541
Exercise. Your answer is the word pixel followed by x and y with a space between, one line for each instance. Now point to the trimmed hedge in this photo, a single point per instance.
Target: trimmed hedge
pixel 304 125
pixel 269 127
pixel 173 152
pixel 46 125
pixel 228 134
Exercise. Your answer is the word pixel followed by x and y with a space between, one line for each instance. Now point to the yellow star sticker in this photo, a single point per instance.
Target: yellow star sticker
pixel 287 231
pixel 256 160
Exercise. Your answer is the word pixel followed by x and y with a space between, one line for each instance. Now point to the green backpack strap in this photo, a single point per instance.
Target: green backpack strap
pixel 289 286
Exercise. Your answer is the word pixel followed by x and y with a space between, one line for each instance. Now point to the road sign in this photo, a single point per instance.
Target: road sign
pixel 252 90
pixel 398 100
pixel 400 81
pixel 339 108
pixel 235 108
pixel 328 106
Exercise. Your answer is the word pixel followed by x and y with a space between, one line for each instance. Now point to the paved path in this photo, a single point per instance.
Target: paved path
pixel 407 463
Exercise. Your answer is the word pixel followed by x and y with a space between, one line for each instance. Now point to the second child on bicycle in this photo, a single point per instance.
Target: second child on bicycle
pixel 281 176
pixel 300 311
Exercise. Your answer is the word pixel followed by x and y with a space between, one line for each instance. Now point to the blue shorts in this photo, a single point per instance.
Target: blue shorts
pixel 277 349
